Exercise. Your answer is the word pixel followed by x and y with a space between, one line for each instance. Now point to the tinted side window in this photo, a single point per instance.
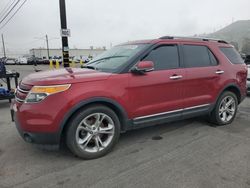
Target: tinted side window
pixel 164 57
pixel 196 56
pixel 232 55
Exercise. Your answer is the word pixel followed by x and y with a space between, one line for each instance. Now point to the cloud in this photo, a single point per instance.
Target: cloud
pixel 100 23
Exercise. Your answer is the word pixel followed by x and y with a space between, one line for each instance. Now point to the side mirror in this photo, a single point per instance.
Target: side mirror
pixel 142 67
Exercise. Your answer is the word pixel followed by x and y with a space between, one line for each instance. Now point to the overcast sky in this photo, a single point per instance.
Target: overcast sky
pixel 102 22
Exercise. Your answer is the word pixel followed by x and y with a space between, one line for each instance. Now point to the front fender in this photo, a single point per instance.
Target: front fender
pixel 103 100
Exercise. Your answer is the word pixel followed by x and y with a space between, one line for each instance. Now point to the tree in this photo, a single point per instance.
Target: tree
pixel 235 44
pixel 246 46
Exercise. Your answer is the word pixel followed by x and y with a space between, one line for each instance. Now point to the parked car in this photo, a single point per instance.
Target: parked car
pixel 132 85
pixel 248 80
pixel 243 56
pixel 46 61
pixel 247 59
pixel 85 59
pixel 10 61
pixel 35 61
pixel 57 58
pixel 75 59
pixel 22 61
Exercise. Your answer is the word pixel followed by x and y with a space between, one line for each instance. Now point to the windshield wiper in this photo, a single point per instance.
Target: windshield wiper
pixel 110 57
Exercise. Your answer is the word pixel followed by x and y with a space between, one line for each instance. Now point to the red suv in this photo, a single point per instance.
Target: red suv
pixel 132 85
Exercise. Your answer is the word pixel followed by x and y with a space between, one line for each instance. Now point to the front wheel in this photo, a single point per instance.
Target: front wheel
pixel 93 132
pixel 225 109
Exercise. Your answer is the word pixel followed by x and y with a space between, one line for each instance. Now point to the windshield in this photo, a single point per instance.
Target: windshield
pixel 113 59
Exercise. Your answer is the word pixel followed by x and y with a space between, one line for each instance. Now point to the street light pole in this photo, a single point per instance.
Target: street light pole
pixel 65 47
pixel 47 41
pixel 4 52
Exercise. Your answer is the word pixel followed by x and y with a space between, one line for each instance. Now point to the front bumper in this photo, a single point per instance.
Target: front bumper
pixel 34 137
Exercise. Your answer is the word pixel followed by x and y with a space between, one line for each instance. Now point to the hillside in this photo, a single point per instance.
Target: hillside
pixel 235 32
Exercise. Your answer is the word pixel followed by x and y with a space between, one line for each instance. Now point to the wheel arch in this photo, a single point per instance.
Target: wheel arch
pixel 115 106
pixel 213 114
pixel 234 89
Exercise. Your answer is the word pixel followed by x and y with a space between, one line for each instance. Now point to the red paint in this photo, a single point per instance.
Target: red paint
pixel 139 95
pixel 145 65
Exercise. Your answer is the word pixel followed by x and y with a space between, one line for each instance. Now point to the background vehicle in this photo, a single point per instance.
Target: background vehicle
pixel 75 59
pixel 248 81
pixel 247 59
pixel 46 61
pixel 35 61
pixel 22 61
pixel 10 61
pixel 57 58
pixel 85 58
pixel 132 85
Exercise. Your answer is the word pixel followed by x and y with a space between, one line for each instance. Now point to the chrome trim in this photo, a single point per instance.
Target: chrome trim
pixel 219 72
pixel 169 112
pixel 158 114
pixel 23 91
pixel 199 106
pixel 19 100
pixel 149 70
pixel 69 85
pixel 175 77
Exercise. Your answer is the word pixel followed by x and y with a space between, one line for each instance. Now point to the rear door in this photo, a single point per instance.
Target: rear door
pixel 203 74
pixel 158 94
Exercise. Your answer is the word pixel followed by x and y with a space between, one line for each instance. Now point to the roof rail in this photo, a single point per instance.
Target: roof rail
pixel 166 37
pixel 194 38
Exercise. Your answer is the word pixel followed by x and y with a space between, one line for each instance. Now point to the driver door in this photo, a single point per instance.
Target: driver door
pixel 157 95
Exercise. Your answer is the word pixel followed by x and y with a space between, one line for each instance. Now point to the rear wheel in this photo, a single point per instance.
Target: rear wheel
pixel 225 109
pixel 93 132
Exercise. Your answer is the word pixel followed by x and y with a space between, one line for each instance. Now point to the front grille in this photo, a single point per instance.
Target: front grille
pixel 22 92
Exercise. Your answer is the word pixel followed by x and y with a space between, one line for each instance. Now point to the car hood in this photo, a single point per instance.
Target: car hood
pixel 63 76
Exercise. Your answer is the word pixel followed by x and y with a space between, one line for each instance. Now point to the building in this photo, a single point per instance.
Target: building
pixel 80 53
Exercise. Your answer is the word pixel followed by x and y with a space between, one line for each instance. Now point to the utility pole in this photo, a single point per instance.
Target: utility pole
pixel 47 41
pixel 65 47
pixel 4 52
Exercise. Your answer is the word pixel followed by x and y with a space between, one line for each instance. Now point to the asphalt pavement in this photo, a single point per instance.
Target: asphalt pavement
pixel 189 154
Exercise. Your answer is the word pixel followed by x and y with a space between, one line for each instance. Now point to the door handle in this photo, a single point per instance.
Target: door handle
pixel 175 77
pixel 219 72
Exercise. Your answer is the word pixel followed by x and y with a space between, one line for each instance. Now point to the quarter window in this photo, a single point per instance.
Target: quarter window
pixel 164 57
pixel 232 55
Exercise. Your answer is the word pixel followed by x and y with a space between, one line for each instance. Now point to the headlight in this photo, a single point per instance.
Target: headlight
pixel 39 93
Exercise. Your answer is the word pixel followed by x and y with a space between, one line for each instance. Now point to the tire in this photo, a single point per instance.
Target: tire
pixel 88 138
pixel 221 114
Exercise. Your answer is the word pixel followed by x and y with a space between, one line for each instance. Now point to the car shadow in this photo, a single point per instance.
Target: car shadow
pixel 154 130
pixel 140 135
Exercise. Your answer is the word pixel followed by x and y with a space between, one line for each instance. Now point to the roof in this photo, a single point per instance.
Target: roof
pixel 95 49
pixel 179 39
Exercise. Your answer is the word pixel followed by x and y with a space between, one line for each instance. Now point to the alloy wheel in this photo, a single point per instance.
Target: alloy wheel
pixel 227 109
pixel 95 132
